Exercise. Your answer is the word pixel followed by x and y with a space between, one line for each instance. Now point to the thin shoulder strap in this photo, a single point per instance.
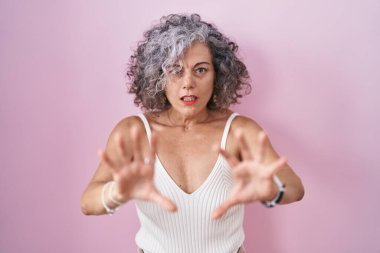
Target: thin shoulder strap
pixel 227 129
pixel 146 125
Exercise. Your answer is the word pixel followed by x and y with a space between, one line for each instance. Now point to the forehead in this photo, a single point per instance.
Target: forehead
pixel 198 52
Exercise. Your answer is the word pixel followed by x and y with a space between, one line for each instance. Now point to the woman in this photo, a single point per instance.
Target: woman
pixel 189 162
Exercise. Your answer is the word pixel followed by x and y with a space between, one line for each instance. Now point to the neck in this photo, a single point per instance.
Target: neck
pixel 180 120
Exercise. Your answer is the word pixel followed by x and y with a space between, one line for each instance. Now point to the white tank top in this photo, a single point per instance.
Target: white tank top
pixel 191 229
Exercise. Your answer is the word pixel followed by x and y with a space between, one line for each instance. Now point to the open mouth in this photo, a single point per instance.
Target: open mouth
pixel 189 99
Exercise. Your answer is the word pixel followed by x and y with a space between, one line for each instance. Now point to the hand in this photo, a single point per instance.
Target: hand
pixel 253 180
pixel 134 178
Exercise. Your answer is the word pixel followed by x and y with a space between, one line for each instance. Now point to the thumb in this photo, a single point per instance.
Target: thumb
pixel 223 208
pixel 164 202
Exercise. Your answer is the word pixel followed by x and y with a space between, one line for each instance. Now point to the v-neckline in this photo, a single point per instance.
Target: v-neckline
pixel 219 158
pixel 204 183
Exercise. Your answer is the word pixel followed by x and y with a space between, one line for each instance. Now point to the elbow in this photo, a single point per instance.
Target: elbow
pixel 301 191
pixel 85 211
pixel 84 206
pixel 301 194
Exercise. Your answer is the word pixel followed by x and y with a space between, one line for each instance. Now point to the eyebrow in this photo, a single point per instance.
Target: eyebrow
pixel 203 62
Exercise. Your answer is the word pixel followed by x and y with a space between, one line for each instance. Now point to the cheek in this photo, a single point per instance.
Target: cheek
pixel 170 91
pixel 209 83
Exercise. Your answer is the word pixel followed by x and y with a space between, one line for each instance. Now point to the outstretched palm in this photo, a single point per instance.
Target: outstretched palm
pixel 134 178
pixel 253 180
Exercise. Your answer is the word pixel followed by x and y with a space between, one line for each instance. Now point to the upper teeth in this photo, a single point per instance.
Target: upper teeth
pixel 188 98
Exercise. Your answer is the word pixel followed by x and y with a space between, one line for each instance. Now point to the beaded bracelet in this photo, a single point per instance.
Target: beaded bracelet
pixel 109 210
pixel 110 196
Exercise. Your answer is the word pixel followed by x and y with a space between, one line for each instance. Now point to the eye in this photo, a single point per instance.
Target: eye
pixel 200 70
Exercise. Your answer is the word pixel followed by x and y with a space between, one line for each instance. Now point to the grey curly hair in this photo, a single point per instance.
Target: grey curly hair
pixel 164 45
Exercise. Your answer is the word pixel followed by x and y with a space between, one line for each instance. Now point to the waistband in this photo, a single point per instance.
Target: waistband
pixel 240 250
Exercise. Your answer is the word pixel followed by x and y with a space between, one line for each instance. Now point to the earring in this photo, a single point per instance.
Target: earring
pixel 214 99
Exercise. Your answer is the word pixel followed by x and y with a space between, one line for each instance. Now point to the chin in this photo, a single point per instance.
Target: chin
pixel 189 111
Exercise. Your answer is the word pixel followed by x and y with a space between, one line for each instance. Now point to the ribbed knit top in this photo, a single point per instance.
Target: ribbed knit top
pixel 191 229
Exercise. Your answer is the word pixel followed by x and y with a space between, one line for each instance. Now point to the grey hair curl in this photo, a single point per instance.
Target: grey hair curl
pixel 164 45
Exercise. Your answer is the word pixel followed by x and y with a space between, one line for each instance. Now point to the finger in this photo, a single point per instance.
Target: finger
pixel 259 157
pixel 164 202
pixel 223 208
pixel 229 158
pixel 244 148
pixel 276 166
pixel 231 201
pixel 137 149
pixel 105 158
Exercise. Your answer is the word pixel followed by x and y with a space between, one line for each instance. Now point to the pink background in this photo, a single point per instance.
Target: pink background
pixel 315 71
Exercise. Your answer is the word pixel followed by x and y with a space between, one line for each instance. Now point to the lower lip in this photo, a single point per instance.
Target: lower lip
pixel 189 102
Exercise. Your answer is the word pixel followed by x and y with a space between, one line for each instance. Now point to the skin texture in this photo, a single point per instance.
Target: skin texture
pixel 181 133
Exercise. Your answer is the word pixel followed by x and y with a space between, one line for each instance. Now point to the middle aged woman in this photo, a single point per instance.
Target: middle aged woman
pixel 189 195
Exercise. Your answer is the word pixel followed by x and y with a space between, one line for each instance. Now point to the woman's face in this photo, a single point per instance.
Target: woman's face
pixel 190 84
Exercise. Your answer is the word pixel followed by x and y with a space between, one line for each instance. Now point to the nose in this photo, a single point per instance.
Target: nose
pixel 187 80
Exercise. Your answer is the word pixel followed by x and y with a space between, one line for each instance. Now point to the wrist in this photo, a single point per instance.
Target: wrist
pixel 279 195
pixel 272 193
pixel 108 201
pixel 114 196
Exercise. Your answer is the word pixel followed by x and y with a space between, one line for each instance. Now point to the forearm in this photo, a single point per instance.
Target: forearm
pixel 294 190
pixel 91 200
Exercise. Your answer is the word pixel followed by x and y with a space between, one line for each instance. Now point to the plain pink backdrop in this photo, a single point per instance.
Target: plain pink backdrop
pixel 315 71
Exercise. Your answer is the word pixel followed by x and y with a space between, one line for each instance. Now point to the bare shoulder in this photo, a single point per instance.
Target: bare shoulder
pixel 124 126
pixel 250 130
pixel 248 126
pixel 123 130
